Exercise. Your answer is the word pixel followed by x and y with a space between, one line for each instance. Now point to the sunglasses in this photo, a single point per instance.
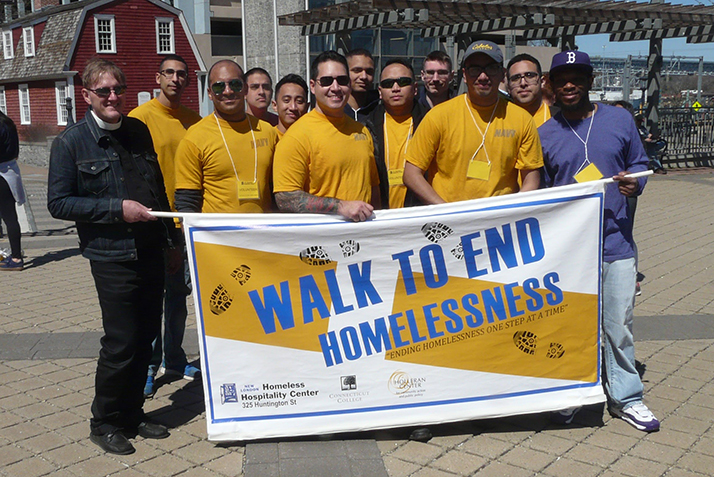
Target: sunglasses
pixel 491 69
pixel 106 92
pixel 169 73
pixel 326 81
pixel 220 86
pixel 402 82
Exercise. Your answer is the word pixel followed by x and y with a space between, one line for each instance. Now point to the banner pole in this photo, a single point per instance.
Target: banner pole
pixel 634 175
pixel 184 215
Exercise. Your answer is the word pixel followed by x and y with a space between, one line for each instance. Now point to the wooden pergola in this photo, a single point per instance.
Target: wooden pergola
pixel 557 21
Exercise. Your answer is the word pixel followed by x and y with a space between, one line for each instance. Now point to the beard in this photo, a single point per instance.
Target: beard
pixel 582 104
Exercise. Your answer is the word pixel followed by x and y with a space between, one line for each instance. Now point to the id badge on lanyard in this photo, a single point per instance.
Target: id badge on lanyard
pixel 248 190
pixel 479 170
pixel 588 174
pixel 396 177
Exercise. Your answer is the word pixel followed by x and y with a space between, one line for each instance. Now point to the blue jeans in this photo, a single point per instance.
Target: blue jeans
pixel 622 381
pixel 178 287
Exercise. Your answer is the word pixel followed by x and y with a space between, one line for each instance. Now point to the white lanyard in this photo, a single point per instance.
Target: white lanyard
pixel 585 142
pixel 255 150
pixel 483 133
pixel 386 141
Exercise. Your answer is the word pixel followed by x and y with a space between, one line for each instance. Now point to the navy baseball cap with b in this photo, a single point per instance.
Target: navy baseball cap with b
pixel 487 48
pixel 571 59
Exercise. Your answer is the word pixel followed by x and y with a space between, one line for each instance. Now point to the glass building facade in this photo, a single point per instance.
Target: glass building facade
pixel 383 43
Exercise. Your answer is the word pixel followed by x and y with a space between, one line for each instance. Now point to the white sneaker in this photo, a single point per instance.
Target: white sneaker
pixel 638 416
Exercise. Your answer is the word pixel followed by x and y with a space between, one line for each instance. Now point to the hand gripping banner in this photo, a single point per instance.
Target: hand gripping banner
pixel 311 324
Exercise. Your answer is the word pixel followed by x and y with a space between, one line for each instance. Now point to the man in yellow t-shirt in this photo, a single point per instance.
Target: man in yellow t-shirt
pixel 168 121
pixel 166 118
pixel 525 82
pixel 290 101
pixel 224 163
pixel 392 124
pixel 260 93
pixel 325 161
pixel 475 145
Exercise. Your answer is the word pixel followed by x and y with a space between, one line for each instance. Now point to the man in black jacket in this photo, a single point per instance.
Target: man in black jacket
pixel 392 124
pixel 104 175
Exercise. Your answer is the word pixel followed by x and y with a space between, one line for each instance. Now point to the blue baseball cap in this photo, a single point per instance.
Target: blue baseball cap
pixel 487 48
pixel 571 59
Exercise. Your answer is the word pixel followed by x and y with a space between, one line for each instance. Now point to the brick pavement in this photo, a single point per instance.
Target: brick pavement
pixel 49 324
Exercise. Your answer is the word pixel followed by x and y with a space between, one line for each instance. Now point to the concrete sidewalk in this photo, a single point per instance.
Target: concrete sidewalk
pixel 50 327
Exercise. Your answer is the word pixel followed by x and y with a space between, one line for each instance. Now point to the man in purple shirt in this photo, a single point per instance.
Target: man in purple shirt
pixel 587 141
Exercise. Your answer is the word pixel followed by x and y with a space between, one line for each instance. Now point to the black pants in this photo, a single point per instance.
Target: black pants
pixel 9 216
pixel 131 298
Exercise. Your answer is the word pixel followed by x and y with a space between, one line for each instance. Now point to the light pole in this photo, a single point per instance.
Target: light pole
pixel 643 88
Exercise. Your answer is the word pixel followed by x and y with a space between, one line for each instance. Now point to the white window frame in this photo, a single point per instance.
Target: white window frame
pixel 112 32
pixel 28 40
pixel 7 46
pixel 172 49
pixel 61 94
pixel 24 96
pixel 3 100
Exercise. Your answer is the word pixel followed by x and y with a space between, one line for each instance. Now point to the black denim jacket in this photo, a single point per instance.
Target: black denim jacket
pixel 86 184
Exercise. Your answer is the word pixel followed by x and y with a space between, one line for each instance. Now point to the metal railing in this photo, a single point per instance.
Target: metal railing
pixel 689 134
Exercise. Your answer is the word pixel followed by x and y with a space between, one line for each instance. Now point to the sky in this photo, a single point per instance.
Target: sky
pixel 600 45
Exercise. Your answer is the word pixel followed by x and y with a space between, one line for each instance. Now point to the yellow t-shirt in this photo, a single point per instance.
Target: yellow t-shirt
pixel 279 133
pixel 203 163
pixel 326 158
pixel 542 115
pixel 397 135
pixel 447 139
pixel 167 127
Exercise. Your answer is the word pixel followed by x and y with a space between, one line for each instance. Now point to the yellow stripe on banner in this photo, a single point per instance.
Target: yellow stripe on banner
pixel 556 341
pixel 232 281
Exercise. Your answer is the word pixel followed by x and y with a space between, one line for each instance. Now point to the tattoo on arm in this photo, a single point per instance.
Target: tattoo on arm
pixel 302 202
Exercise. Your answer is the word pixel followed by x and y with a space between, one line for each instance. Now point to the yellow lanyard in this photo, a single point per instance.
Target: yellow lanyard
pixel 255 150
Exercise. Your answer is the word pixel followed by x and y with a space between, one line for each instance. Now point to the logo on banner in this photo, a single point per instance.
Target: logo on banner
pixel 349 394
pixel 228 393
pixel 401 384
pixel 348 383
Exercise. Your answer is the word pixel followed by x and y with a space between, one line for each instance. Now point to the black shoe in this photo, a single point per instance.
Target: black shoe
pixel 420 434
pixel 113 442
pixel 152 430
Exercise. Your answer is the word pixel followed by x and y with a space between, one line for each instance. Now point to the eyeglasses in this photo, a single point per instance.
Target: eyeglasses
pixel 531 77
pixel 491 69
pixel 402 82
pixel 106 92
pixel 440 73
pixel 169 73
pixel 342 80
pixel 219 87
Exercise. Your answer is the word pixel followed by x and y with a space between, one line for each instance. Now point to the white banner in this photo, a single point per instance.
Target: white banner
pixel 310 324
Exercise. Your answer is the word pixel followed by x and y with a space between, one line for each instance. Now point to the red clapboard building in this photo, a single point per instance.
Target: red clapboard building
pixel 44 53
